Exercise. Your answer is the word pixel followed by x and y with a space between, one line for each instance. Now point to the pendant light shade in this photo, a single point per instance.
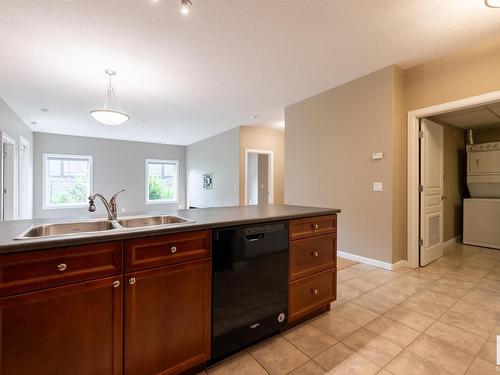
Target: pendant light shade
pixel 110 113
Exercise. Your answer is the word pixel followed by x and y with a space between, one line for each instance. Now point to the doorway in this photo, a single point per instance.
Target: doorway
pixel 425 233
pixel 259 177
pixel 8 209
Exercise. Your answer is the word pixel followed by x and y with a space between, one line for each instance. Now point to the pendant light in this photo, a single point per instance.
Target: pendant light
pixel 111 113
pixel 185 7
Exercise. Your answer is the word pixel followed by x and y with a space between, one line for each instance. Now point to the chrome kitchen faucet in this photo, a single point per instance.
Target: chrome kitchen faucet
pixel 111 206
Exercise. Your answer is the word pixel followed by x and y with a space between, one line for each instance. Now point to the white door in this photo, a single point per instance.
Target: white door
pixel 431 196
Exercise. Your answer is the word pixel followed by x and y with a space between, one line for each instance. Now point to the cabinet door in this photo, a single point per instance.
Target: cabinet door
pixel 75 329
pixel 167 318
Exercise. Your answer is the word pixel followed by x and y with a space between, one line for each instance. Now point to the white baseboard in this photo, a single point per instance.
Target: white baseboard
pixel 373 262
pixel 457 239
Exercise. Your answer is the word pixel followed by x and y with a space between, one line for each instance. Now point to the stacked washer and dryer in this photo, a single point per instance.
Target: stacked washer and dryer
pixel 482 210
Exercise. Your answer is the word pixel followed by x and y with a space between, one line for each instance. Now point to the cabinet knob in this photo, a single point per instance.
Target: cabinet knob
pixel 131 281
pixel 315 226
pixel 314 291
pixel 314 253
pixel 173 249
pixel 62 267
pixel 116 283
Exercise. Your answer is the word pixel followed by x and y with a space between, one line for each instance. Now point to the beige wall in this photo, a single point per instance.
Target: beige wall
pixel 462 74
pixel 330 136
pixel 329 139
pixel 454 183
pixel 252 137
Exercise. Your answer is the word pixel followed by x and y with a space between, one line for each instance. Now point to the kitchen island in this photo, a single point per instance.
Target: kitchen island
pixel 139 300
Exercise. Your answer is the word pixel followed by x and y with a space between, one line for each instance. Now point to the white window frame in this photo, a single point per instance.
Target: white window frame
pixel 146 182
pixel 46 156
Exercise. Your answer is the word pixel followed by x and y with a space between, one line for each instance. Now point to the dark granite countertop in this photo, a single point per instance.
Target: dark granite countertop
pixel 204 218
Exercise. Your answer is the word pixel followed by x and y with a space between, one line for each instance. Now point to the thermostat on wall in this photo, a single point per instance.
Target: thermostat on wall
pixel 377 155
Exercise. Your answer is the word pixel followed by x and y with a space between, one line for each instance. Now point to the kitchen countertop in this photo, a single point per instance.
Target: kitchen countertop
pixel 204 218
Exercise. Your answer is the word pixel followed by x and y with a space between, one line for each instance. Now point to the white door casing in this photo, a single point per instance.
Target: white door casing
pixel 431 196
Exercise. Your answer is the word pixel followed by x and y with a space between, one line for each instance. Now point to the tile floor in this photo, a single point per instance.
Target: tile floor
pixel 440 319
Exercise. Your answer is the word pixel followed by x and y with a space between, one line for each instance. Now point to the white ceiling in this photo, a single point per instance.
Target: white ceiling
pixel 182 79
pixel 480 117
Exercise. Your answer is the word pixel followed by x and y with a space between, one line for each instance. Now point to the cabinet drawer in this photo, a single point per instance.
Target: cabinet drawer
pixel 162 250
pixel 311 293
pixel 36 270
pixel 312 226
pixel 312 255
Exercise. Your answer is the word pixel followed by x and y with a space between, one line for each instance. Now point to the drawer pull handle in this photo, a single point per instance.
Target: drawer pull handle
pixel 116 283
pixel 62 267
pixel 315 254
pixel 315 226
pixel 173 249
pixel 314 291
pixel 131 281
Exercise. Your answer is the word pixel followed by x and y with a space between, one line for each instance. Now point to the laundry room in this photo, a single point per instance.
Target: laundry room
pixel 461 202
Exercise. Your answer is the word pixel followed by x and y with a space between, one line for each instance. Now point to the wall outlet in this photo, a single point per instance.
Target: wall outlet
pixel 378 186
pixel 377 155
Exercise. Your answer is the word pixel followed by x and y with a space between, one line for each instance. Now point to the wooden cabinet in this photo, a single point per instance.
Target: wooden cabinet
pixel 312 226
pixel 312 292
pixel 37 270
pixel 312 266
pixel 144 253
pixel 312 255
pixel 73 329
pixel 168 318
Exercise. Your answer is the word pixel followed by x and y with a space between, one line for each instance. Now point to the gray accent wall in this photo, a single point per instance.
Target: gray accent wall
pixel 11 124
pixel 218 155
pixel 117 164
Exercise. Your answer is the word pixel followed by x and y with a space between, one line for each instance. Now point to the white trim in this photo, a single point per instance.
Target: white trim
pixel 413 165
pixel 146 182
pixel 29 182
pixel 5 138
pixel 45 157
pixel 373 262
pixel 452 241
pixel 270 172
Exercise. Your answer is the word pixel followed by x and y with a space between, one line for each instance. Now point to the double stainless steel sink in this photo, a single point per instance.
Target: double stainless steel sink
pixel 93 226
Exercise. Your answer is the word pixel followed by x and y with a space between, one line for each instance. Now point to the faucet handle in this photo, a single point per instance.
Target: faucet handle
pixel 91 205
pixel 114 196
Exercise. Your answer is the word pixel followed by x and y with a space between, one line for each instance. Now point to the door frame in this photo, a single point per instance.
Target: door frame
pixel 5 138
pixel 29 181
pixel 270 171
pixel 413 168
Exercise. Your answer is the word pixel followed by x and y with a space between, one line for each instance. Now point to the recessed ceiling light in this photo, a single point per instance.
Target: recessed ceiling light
pixel 185 7
pixel 492 3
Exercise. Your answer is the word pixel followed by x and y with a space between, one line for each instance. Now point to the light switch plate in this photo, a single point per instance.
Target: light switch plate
pixel 378 186
pixel 377 155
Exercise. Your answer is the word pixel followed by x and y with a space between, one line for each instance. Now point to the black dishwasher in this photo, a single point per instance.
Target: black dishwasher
pixel 250 285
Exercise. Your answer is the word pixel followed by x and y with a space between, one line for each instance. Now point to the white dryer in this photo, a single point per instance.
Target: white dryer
pixel 482 210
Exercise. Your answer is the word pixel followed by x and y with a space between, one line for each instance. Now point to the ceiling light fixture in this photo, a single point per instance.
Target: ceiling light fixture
pixel 185 7
pixel 111 113
pixel 492 3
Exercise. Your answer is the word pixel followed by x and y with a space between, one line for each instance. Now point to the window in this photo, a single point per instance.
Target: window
pixel 67 180
pixel 162 181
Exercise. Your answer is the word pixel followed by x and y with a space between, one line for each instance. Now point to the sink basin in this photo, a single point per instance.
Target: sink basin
pixel 147 221
pixel 61 229
pixel 82 227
